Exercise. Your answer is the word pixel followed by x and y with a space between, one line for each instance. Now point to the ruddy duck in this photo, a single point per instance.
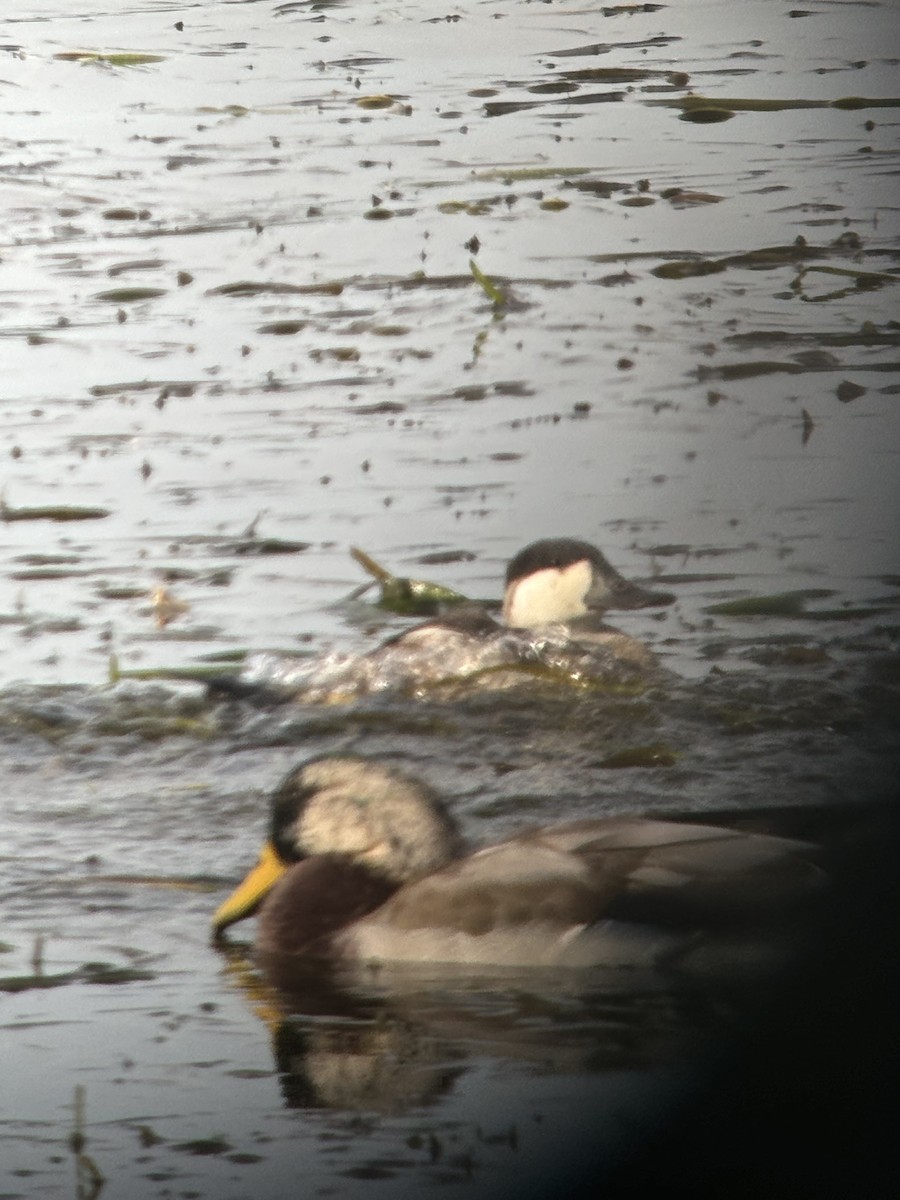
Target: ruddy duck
pixel 364 863
pixel 556 592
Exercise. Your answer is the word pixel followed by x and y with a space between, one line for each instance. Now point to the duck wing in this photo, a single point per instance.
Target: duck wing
pixel 618 891
pixel 674 873
pixel 520 903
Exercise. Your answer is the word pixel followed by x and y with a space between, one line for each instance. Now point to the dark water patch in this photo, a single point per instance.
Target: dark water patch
pixel 657 754
pixel 273 288
pixel 814 704
pixel 204 1146
pixel 125 214
pixel 615 74
pixel 167 388
pixel 381 408
pixel 47 560
pixel 598 48
pixel 442 557
pixel 702 108
pixel 282 328
pixel 847 390
pixel 130 295
pixel 138 264
pixel 868 335
pixel 264 546
pixel 53 512
pixel 502 108
pixel 35 574
pixel 794 655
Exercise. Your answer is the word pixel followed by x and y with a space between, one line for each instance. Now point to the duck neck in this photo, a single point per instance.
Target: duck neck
pixel 314 900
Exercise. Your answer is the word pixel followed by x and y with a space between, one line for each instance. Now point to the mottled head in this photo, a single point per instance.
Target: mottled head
pixel 356 810
pixel 365 811
pixel 558 579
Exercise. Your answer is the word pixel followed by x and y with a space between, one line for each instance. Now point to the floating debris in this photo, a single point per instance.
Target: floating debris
pixel 415 597
pixel 116 58
pixel 166 607
pixel 495 294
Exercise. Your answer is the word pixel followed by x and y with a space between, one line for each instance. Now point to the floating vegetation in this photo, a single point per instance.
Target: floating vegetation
pixel 472 208
pixel 200 673
pixel 93 972
pixel 495 294
pixel 689 268
pixel 52 512
pixel 89 1178
pixel 861 281
pixel 227 110
pixel 798 253
pixel 782 604
pixel 396 103
pixel 683 198
pixel 165 387
pixel 408 597
pixel 526 174
pixel 116 58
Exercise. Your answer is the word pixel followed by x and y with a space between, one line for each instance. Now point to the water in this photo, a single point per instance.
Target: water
pixel 694 425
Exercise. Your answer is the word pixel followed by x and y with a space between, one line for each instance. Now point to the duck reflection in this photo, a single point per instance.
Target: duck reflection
pixel 402 1038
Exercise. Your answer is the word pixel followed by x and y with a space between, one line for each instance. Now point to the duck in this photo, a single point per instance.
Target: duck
pixel 364 863
pixel 556 592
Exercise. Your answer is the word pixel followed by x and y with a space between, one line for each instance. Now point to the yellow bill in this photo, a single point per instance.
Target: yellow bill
pixel 249 895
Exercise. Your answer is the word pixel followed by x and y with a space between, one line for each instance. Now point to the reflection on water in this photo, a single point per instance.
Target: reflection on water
pixel 237 317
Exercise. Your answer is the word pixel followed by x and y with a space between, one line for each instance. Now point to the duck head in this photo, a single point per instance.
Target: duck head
pixel 558 579
pixel 367 819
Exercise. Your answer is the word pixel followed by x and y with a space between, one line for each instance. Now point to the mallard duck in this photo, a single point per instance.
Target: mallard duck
pixel 364 862
pixel 556 592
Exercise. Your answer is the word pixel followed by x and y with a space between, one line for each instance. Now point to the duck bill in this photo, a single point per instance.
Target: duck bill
pixel 621 593
pixel 249 895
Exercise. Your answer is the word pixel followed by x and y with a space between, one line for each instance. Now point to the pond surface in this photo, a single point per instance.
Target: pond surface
pixel 240 333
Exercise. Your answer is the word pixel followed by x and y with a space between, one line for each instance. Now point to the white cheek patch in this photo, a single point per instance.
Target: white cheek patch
pixel 547 596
